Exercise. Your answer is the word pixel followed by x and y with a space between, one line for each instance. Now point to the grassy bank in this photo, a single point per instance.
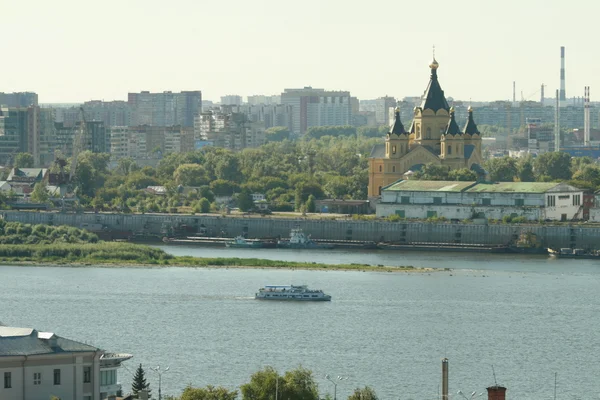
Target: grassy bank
pixel 126 254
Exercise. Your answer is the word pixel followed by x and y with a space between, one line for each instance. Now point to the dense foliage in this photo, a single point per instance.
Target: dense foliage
pixel 19 233
pixel 287 172
pixel 581 172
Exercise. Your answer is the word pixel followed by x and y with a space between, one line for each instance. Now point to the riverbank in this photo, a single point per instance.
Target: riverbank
pixel 115 254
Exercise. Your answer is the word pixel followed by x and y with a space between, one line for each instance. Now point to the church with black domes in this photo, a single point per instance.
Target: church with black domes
pixel 434 137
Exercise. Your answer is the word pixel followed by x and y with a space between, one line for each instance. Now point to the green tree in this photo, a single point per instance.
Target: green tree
pixel 204 191
pixel 277 134
pixel 125 165
pixel 297 384
pixel 190 175
pixel 311 206
pixel 501 169
pixel 40 193
pixel 589 173
pixel 462 174
pixel 221 187
pixel 208 393
pixel 23 160
pixel 366 393
pixel 554 165
pixel 204 205
pixel 139 382
pixel 433 172
pixel 525 170
pixel 262 385
pixel 244 201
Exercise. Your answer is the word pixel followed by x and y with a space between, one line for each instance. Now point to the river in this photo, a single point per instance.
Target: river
pixel 529 317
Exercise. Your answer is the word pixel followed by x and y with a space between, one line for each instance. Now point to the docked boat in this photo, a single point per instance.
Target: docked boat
pixel 291 293
pixel 567 252
pixel 242 242
pixel 299 240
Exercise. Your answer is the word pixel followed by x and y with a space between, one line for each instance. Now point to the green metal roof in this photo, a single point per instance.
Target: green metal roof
pixel 429 186
pixel 513 187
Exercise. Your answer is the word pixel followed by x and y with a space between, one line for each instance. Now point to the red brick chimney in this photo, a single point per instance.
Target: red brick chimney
pixel 496 393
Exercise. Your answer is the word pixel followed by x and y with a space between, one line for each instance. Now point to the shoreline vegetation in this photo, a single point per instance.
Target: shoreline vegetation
pixel 47 245
pixel 118 254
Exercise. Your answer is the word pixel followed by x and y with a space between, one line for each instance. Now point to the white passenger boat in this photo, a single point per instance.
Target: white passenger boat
pixel 291 292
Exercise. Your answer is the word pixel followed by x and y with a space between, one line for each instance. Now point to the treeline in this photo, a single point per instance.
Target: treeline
pixel 297 384
pixel 582 172
pixel 19 233
pixel 287 172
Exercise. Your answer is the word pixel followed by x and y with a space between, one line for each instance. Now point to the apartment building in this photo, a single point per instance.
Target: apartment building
pixel 164 109
pixel 18 99
pixel 35 365
pixel 317 107
pixel 230 130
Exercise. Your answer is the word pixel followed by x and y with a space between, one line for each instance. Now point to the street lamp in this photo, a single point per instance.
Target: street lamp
pixel 339 378
pixel 473 395
pixel 159 372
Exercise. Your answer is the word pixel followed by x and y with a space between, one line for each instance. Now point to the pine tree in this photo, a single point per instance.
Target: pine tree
pixel 139 382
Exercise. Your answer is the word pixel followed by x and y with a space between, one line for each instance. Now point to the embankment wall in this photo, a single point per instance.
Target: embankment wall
pixel 556 236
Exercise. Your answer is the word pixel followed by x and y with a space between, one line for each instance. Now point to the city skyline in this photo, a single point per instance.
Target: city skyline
pixel 265 46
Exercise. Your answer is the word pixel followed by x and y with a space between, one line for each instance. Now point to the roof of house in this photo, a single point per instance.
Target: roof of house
pixel 474 187
pixel 434 98
pixel 522 187
pixel 27 341
pixel 378 151
pixel 429 186
pixel 37 173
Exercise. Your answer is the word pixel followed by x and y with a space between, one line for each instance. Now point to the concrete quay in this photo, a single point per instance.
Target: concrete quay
pixel 402 232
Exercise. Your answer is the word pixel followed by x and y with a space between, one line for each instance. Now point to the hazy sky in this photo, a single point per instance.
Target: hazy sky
pixel 74 50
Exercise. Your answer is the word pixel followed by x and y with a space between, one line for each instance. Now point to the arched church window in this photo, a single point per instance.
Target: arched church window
pixel 380 190
pixel 394 149
pixel 393 168
pixel 428 133
pixel 449 150
pixel 419 131
pixel 380 168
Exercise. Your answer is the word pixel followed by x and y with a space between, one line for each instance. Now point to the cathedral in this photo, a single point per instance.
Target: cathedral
pixel 434 137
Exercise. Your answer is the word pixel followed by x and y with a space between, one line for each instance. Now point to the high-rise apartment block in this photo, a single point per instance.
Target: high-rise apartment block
pixel 146 142
pixel 164 109
pixel 317 107
pixel 231 100
pixel 18 99
pixel 262 99
pixel 382 109
pixel 231 130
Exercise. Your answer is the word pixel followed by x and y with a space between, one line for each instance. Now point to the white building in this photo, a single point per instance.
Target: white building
pixel 37 365
pixel 467 200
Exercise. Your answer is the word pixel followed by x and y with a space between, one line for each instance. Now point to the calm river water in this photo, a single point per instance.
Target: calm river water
pixel 529 317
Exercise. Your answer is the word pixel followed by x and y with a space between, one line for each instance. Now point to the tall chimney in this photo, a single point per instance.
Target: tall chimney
pixel 496 393
pixel 586 116
pixel 542 95
pixel 557 124
pixel 445 379
pixel 514 92
pixel 563 93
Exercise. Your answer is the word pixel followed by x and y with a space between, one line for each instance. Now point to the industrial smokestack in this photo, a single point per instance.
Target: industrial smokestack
pixel 542 95
pixel 514 92
pixel 563 93
pixel 557 124
pixel 586 116
pixel 496 393
pixel 445 379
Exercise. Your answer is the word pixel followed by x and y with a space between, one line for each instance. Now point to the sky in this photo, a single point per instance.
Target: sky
pixel 71 51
